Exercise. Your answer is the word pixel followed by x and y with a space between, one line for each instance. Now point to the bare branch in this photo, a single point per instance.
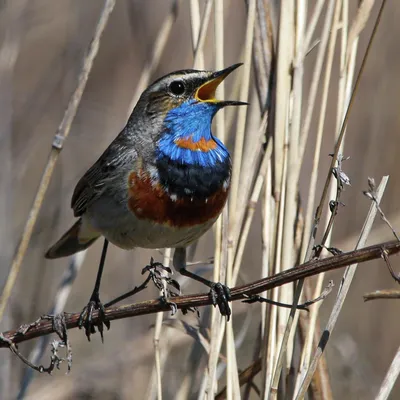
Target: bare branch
pixel 382 294
pixel 196 300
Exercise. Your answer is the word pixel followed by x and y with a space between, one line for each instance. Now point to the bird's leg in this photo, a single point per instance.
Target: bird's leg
pixel 85 319
pixel 219 293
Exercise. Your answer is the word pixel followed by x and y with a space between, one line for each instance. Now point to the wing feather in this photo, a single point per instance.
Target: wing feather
pixel 109 167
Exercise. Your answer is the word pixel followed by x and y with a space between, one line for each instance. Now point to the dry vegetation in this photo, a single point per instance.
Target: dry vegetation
pixel 303 61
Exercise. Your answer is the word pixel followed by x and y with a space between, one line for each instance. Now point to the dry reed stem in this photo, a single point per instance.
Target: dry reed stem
pixel 313 180
pixel 269 314
pixel 342 131
pixel 312 23
pixel 263 53
pixel 342 293
pixel 390 378
pixel 195 28
pixel 251 207
pixel 322 47
pixel 158 49
pixel 344 98
pixel 158 365
pixel 210 381
pixel 346 80
pixel 278 234
pixel 294 162
pixel 281 167
pixel 283 81
pixel 225 270
pixel 203 30
pixel 241 124
pixel 360 20
pixel 320 129
pixel 58 141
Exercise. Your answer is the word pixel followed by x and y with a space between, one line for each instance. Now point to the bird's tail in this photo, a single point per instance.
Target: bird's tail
pixel 77 238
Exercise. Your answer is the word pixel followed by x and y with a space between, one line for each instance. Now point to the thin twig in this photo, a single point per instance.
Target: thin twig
pixel 382 294
pixel 60 300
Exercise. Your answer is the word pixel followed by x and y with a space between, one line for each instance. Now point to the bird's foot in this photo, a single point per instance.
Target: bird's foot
pixel 159 274
pixel 86 317
pixel 220 296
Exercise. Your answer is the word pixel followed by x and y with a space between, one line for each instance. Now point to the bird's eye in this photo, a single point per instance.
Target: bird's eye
pixel 177 88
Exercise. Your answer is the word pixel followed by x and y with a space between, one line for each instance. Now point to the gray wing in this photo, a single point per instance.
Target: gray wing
pixel 88 189
pixel 111 164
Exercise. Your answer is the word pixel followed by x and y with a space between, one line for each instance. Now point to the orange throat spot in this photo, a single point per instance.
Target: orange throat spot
pixel 201 145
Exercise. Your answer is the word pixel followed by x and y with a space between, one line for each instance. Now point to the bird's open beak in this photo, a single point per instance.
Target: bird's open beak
pixel 206 92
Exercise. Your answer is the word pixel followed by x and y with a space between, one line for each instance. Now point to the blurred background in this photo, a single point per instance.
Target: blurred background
pixel 42 45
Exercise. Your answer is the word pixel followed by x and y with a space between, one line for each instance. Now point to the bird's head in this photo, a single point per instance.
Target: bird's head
pixel 183 105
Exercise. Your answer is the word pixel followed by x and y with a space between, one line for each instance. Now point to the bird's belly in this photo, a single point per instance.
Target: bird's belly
pixel 127 231
pixel 149 217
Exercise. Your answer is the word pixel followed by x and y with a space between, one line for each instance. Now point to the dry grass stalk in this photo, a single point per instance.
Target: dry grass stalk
pixel 160 356
pixel 59 139
pixel 158 49
pixel 343 290
pixel 390 378
pixel 295 170
pixel 313 183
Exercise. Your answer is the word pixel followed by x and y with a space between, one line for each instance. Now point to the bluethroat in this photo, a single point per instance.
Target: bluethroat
pixel 162 182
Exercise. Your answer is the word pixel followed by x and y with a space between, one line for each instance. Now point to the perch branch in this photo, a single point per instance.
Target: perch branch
pixel 305 270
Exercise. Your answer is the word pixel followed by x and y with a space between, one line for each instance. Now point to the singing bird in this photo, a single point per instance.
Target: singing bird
pixel 162 182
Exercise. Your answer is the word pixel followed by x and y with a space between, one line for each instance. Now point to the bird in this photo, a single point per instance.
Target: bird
pixel 162 182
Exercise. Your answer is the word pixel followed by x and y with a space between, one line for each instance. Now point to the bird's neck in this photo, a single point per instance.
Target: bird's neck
pixel 187 138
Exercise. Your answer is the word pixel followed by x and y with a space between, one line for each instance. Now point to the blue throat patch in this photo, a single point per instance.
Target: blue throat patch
pixel 191 123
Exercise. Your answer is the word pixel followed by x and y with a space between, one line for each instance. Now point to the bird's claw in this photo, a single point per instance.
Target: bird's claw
pixel 86 317
pixel 220 296
pixel 154 265
pixel 159 279
pixel 172 306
